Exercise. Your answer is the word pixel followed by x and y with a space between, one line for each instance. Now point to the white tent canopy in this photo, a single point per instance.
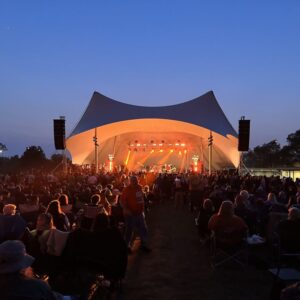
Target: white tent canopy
pixel 118 124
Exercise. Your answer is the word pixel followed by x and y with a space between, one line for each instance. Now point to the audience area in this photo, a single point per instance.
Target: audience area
pixel 67 233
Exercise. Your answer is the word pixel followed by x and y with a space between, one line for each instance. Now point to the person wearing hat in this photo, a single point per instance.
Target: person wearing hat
pixel 16 276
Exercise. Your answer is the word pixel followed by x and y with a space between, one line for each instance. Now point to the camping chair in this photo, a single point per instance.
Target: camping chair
pixel 222 253
pixel 284 274
pixel 284 254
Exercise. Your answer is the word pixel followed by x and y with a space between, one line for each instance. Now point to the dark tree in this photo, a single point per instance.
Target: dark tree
pixel 293 140
pixel 33 156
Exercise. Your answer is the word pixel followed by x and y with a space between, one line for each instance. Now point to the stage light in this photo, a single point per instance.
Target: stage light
pixel 160 145
pixel 127 158
pixel 138 145
pixel 195 159
pixel 111 161
pixel 185 151
pixel 152 150
pixel 172 150
pixel 161 150
pixel 154 144
pixel 180 153
pixel 177 144
pixel 170 144
pixel 183 145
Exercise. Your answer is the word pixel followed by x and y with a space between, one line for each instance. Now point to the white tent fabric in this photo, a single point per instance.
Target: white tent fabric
pixel 192 120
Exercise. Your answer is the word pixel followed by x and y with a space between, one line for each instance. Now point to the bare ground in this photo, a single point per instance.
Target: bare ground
pixel 179 268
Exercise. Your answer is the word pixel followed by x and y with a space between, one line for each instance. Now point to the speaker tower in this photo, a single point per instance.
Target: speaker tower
pixel 244 134
pixel 59 133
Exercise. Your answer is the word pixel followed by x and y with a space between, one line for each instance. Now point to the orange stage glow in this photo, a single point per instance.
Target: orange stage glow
pixel 111 165
pixel 144 159
pixel 127 158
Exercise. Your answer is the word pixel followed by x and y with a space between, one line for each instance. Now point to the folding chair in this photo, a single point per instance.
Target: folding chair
pixel 222 253
pixel 283 254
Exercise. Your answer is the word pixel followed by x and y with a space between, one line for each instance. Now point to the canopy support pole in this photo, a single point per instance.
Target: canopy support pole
pixel 210 144
pixel 95 139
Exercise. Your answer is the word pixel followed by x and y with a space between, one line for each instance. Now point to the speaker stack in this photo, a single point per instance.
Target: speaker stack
pixel 244 134
pixel 59 133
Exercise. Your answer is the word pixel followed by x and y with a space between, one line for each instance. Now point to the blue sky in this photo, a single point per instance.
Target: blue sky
pixel 55 54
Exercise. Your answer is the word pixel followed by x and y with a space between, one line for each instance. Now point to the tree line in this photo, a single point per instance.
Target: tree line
pixel 33 157
pixel 272 155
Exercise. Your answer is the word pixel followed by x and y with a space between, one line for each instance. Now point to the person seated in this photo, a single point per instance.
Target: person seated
pixel 90 212
pixel 229 229
pixel 288 231
pixel 31 205
pixel 204 215
pixel 36 243
pixel 19 195
pixel 64 203
pixel 272 205
pixel 60 220
pixel 16 276
pixel 12 226
pixel 39 236
pixel 109 248
pixel 245 213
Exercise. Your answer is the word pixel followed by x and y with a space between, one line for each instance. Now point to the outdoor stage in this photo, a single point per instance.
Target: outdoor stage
pixel 194 135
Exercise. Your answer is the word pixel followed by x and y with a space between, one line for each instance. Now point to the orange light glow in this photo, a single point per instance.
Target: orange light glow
pixel 185 151
pixel 180 153
pixel 172 150
pixel 127 158
pixel 161 150
pixel 111 164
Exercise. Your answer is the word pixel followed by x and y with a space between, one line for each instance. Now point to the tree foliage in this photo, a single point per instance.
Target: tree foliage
pixel 272 155
pixel 33 156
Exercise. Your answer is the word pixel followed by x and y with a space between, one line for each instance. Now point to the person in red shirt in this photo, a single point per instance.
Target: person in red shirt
pixel 132 201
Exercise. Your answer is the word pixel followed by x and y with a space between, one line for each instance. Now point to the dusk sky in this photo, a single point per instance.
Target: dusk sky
pixel 55 54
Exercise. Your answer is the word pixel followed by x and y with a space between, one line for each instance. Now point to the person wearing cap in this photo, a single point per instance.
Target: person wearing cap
pixel 132 201
pixel 16 279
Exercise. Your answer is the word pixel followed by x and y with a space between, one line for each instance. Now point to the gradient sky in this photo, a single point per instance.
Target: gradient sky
pixel 54 54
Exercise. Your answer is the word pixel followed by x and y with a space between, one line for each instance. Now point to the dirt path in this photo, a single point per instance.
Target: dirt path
pixel 178 268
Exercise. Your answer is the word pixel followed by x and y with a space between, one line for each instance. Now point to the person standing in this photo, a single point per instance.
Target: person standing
pixel 132 201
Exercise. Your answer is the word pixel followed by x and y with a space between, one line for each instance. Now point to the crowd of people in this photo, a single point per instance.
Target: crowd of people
pixel 81 225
